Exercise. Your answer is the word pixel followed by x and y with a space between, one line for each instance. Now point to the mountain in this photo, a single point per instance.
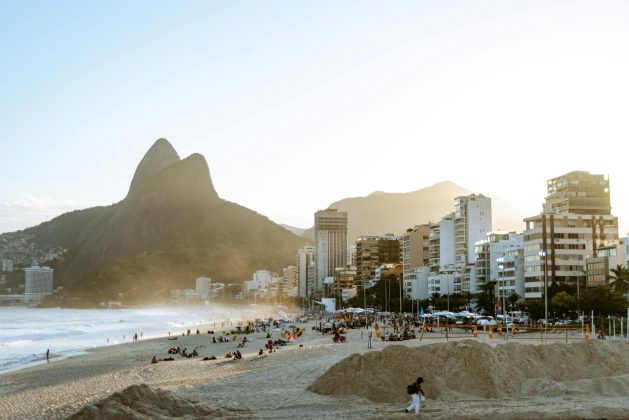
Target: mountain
pixel 170 228
pixel 297 231
pixel 382 212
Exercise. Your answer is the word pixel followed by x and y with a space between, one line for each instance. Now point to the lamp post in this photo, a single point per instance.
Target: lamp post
pixel 501 290
pixel 543 254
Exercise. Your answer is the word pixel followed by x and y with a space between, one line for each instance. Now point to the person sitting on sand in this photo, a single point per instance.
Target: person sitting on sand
pixel 154 359
pixel 261 352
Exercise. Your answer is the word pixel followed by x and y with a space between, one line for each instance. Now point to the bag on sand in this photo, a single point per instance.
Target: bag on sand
pixel 411 389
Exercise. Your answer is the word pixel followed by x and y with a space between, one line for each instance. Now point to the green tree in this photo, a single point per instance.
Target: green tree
pixel 486 299
pixel 513 299
pixel 604 301
pixel 562 302
pixel 619 279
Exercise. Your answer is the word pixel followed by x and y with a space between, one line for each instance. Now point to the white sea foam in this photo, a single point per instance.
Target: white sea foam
pixel 26 333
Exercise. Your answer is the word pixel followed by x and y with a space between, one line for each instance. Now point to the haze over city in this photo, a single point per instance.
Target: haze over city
pixel 298 105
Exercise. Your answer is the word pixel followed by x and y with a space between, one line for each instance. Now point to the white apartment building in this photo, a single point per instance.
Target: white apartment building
pixel 203 286
pixel 37 283
pixel 330 245
pixel 419 283
pixel 472 224
pixel 305 257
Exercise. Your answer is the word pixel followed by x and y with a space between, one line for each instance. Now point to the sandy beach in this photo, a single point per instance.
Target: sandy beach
pixel 464 378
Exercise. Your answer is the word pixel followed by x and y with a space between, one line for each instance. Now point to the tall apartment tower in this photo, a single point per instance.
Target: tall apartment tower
pixel 575 222
pixel 330 244
pixel 305 278
pixel 472 224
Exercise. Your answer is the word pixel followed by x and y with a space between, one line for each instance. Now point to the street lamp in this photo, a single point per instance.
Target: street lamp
pixel 543 254
pixel 500 261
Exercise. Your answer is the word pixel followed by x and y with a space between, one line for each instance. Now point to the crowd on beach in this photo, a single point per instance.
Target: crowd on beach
pixel 238 335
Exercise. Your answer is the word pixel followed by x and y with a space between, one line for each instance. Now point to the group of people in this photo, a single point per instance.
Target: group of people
pixel 234 355
pixel 184 352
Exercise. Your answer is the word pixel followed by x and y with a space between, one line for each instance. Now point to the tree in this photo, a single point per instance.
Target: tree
pixel 486 299
pixel 562 302
pixel 513 299
pixel 604 301
pixel 619 279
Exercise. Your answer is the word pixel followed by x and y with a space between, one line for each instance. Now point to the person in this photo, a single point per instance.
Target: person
pixel 48 355
pixel 154 359
pixel 415 389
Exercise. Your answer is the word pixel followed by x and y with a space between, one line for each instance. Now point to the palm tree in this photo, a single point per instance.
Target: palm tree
pixel 619 279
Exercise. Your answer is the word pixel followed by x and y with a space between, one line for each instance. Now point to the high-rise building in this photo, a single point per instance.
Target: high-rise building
pixel 575 222
pixel 330 245
pixel 415 246
pixel 472 224
pixel 374 251
pixel 579 192
pixel 305 257
pixel 204 284
pixel 37 283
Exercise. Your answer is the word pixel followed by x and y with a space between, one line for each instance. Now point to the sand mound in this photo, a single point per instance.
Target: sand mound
pixel 144 402
pixel 471 370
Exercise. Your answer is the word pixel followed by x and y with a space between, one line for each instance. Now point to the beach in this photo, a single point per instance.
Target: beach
pixel 280 384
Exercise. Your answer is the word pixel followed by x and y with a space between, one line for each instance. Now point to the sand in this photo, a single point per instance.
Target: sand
pixel 463 379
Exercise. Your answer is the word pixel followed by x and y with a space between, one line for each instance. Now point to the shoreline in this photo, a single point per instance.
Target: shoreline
pixel 33 353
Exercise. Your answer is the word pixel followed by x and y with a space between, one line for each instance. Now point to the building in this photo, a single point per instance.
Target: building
pixel 330 245
pixel 472 224
pixel 607 258
pixel 7 265
pixel 419 283
pixel 575 222
pixel 37 283
pixel 374 251
pixel 345 282
pixel 415 253
pixel 204 284
pixel 579 192
pixel 441 255
pixel 305 258
pixel 290 277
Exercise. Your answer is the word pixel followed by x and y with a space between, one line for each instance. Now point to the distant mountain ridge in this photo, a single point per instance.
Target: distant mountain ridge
pixel 171 228
pixel 382 212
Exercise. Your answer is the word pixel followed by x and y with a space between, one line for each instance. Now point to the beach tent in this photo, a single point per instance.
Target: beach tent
pixel 444 313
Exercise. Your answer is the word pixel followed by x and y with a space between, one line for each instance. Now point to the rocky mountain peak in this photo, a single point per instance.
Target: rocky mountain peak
pixel 161 155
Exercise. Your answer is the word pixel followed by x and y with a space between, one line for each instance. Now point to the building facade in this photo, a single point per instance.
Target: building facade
pixel 374 251
pixel 37 283
pixel 330 245
pixel 415 253
pixel 305 258
pixel 576 221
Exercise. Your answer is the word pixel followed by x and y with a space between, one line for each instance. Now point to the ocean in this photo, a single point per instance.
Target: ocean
pixel 26 333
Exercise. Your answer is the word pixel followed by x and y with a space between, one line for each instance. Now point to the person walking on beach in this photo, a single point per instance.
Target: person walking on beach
pixel 48 355
pixel 414 390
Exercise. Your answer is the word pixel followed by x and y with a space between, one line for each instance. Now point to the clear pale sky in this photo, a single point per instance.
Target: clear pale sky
pixel 298 104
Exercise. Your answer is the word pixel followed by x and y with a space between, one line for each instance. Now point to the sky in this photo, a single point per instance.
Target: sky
pixel 298 104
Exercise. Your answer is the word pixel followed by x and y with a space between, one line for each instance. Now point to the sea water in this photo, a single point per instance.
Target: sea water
pixel 26 333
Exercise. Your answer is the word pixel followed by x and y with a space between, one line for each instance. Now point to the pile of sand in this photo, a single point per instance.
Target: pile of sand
pixel 143 402
pixel 471 370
